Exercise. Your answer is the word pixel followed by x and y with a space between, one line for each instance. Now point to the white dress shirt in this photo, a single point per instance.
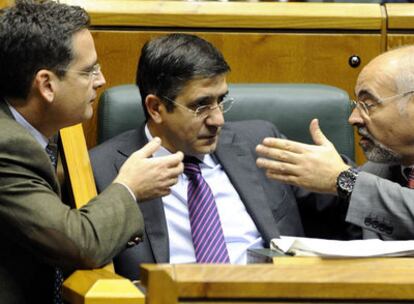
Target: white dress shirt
pixel 240 232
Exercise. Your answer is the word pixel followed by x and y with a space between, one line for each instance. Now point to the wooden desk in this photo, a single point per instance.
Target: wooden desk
pixel 298 280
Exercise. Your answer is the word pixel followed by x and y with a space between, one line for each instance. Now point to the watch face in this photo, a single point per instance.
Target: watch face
pixel 346 181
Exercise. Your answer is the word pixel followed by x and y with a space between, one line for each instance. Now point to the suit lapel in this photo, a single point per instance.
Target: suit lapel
pixel 240 167
pixel 6 113
pixel 4 109
pixel 153 211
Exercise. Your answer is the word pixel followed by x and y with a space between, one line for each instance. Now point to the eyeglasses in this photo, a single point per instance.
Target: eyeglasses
pixel 204 111
pixel 95 71
pixel 365 106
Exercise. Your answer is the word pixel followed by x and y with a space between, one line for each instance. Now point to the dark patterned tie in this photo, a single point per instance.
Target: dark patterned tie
pixel 52 151
pixel 206 230
pixel 410 183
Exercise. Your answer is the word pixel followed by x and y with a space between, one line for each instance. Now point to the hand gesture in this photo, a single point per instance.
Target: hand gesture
pixel 314 167
pixel 150 177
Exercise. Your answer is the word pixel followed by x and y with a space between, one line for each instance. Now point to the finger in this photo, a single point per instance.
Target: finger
pixel 288 179
pixel 317 135
pixel 172 160
pixel 149 149
pixel 284 144
pixel 171 182
pixel 277 154
pixel 277 167
pixel 175 171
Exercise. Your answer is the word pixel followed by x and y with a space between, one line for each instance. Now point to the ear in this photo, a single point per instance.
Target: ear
pixel 45 82
pixel 155 108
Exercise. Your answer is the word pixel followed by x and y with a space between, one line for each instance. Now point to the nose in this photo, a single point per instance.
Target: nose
pixel 215 118
pixel 355 118
pixel 99 81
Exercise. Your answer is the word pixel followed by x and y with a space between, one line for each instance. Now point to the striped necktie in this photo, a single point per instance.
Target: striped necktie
pixel 52 152
pixel 206 230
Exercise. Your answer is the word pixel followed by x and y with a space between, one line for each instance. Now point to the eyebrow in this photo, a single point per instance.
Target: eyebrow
pixel 365 94
pixel 90 67
pixel 208 99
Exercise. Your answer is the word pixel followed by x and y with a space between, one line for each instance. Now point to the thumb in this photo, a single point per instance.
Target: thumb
pixel 318 137
pixel 150 148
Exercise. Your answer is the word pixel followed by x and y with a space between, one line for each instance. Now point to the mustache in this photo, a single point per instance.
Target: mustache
pixel 213 132
pixel 364 133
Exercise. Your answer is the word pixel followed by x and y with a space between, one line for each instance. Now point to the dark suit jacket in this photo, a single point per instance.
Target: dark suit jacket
pixel 39 232
pixel 272 205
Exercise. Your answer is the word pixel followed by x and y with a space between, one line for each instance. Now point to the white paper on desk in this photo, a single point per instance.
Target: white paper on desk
pixel 338 249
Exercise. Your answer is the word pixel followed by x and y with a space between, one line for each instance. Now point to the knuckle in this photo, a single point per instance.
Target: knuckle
pixel 283 156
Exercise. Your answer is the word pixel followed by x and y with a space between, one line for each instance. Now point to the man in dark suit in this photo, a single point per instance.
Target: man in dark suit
pixel 182 81
pixel 379 195
pixel 48 80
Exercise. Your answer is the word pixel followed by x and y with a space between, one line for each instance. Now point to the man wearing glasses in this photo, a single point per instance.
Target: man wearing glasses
pixel 378 196
pixel 222 204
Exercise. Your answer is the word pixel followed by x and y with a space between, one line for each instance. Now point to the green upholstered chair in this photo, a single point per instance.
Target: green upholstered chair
pixel 289 106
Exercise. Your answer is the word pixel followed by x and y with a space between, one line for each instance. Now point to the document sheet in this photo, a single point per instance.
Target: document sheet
pixel 339 249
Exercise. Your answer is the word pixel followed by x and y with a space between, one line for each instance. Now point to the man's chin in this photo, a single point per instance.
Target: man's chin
pixel 382 156
pixel 205 149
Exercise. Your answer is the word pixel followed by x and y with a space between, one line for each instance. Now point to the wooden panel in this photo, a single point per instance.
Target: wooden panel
pixel 5 3
pixel 77 164
pixel 233 14
pixel 400 16
pixel 353 279
pixel 397 40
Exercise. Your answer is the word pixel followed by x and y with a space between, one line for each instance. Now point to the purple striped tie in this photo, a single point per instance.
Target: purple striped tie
pixel 206 230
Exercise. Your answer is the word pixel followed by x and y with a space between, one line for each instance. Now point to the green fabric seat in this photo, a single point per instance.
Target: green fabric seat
pixel 289 106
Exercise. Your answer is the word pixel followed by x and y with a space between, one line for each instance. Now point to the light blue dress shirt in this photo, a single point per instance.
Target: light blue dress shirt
pixel 240 232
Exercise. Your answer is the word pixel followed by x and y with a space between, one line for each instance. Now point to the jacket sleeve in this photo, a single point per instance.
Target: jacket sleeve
pixel 35 218
pixel 382 206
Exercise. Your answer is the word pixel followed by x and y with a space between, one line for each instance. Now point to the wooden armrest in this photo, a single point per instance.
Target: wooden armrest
pixel 100 286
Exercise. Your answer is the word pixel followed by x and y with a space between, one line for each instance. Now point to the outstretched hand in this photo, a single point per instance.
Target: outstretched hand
pixel 314 167
pixel 150 177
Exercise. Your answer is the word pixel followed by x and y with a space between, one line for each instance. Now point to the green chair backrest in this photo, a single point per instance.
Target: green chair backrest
pixel 289 106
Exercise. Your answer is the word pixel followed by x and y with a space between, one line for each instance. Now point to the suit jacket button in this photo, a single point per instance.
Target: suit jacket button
pixel 389 229
pixel 134 241
pixel 368 221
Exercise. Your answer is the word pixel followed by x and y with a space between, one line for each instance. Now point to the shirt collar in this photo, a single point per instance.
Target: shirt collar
pixel 40 138
pixel 206 160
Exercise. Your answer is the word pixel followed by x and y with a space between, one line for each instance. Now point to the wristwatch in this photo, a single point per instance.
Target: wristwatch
pixel 345 183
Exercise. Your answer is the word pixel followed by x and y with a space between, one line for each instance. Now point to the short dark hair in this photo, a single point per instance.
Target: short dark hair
pixel 168 62
pixel 34 36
